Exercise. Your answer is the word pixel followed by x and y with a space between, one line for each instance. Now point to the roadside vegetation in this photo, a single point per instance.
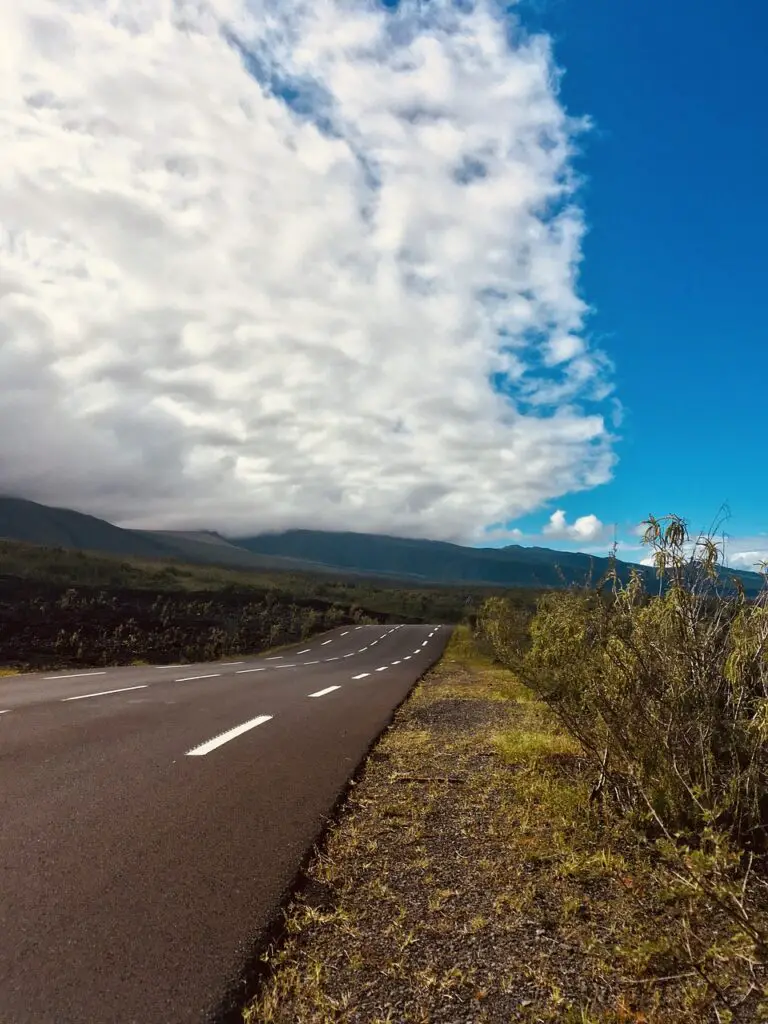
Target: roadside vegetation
pixel 566 822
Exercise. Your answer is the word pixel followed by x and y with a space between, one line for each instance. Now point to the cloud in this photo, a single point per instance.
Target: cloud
pixel 585 528
pixel 749 560
pixel 291 264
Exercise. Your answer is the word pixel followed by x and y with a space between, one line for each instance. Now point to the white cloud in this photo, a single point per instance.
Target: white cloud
pixel 749 560
pixel 221 309
pixel 585 528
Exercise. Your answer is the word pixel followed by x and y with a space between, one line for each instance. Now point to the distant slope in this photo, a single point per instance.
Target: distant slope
pixel 64 528
pixel 349 554
pixel 440 562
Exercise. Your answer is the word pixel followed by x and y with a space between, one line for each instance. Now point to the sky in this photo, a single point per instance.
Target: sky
pixel 431 269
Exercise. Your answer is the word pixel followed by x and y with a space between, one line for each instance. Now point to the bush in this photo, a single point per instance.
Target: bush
pixel 667 693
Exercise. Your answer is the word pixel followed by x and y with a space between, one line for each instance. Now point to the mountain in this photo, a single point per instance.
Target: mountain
pixel 64 528
pixel 441 562
pixel 358 554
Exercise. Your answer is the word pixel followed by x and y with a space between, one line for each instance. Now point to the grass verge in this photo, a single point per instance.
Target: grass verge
pixel 466 880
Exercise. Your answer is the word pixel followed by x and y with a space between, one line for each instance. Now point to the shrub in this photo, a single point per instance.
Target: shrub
pixel 667 693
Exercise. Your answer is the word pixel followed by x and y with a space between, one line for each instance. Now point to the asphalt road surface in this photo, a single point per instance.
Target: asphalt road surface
pixel 152 819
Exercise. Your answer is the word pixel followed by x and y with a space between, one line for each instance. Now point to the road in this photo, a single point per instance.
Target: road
pixel 153 818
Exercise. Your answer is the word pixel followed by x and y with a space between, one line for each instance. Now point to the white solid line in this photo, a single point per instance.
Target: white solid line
pixel 188 679
pixel 326 642
pixel 225 664
pixel 76 675
pixel 362 675
pixel 103 693
pixel 305 651
pixel 225 737
pixel 322 693
pixel 383 668
pixel 242 671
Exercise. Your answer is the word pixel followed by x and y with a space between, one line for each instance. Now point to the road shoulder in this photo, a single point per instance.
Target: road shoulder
pixel 466 880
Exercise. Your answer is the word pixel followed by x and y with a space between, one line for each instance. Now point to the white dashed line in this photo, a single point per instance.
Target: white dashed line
pixel 275 657
pixel 169 666
pixel 383 668
pixel 188 679
pixel 226 664
pixel 225 737
pixel 326 642
pixel 375 641
pixel 350 655
pixel 6 712
pixel 394 663
pixel 322 693
pixel 345 633
pixel 407 657
pixel 305 651
pixel 362 675
pixel 310 663
pixel 335 658
pixel 289 666
pixel 425 643
pixel 76 675
pixel 104 693
pixel 242 671
pixel 360 651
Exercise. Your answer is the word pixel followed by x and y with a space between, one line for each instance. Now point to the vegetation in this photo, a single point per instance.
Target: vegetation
pixel 60 607
pixel 667 696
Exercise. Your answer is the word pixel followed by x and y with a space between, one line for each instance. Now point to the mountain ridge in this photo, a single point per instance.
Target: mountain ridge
pixel 315 551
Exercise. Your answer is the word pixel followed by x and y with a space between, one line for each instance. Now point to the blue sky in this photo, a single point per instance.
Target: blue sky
pixel 675 258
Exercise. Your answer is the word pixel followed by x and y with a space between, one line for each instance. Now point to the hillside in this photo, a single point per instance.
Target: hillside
pixel 440 562
pixel 413 562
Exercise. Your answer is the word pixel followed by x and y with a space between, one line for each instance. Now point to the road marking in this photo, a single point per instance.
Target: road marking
pixel 289 666
pixel 326 642
pixel 350 655
pixel 6 712
pixel 242 671
pixel 375 641
pixel 103 693
pixel 383 668
pixel 335 658
pixel 225 664
pixel 425 643
pixel 76 675
pixel 305 651
pixel 180 665
pixel 322 693
pixel 362 675
pixel 362 649
pixel 310 663
pixel 358 627
pixel 407 657
pixel 344 634
pixel 188 679
pixel 395 663
pixel 225 737
pixel 275 657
